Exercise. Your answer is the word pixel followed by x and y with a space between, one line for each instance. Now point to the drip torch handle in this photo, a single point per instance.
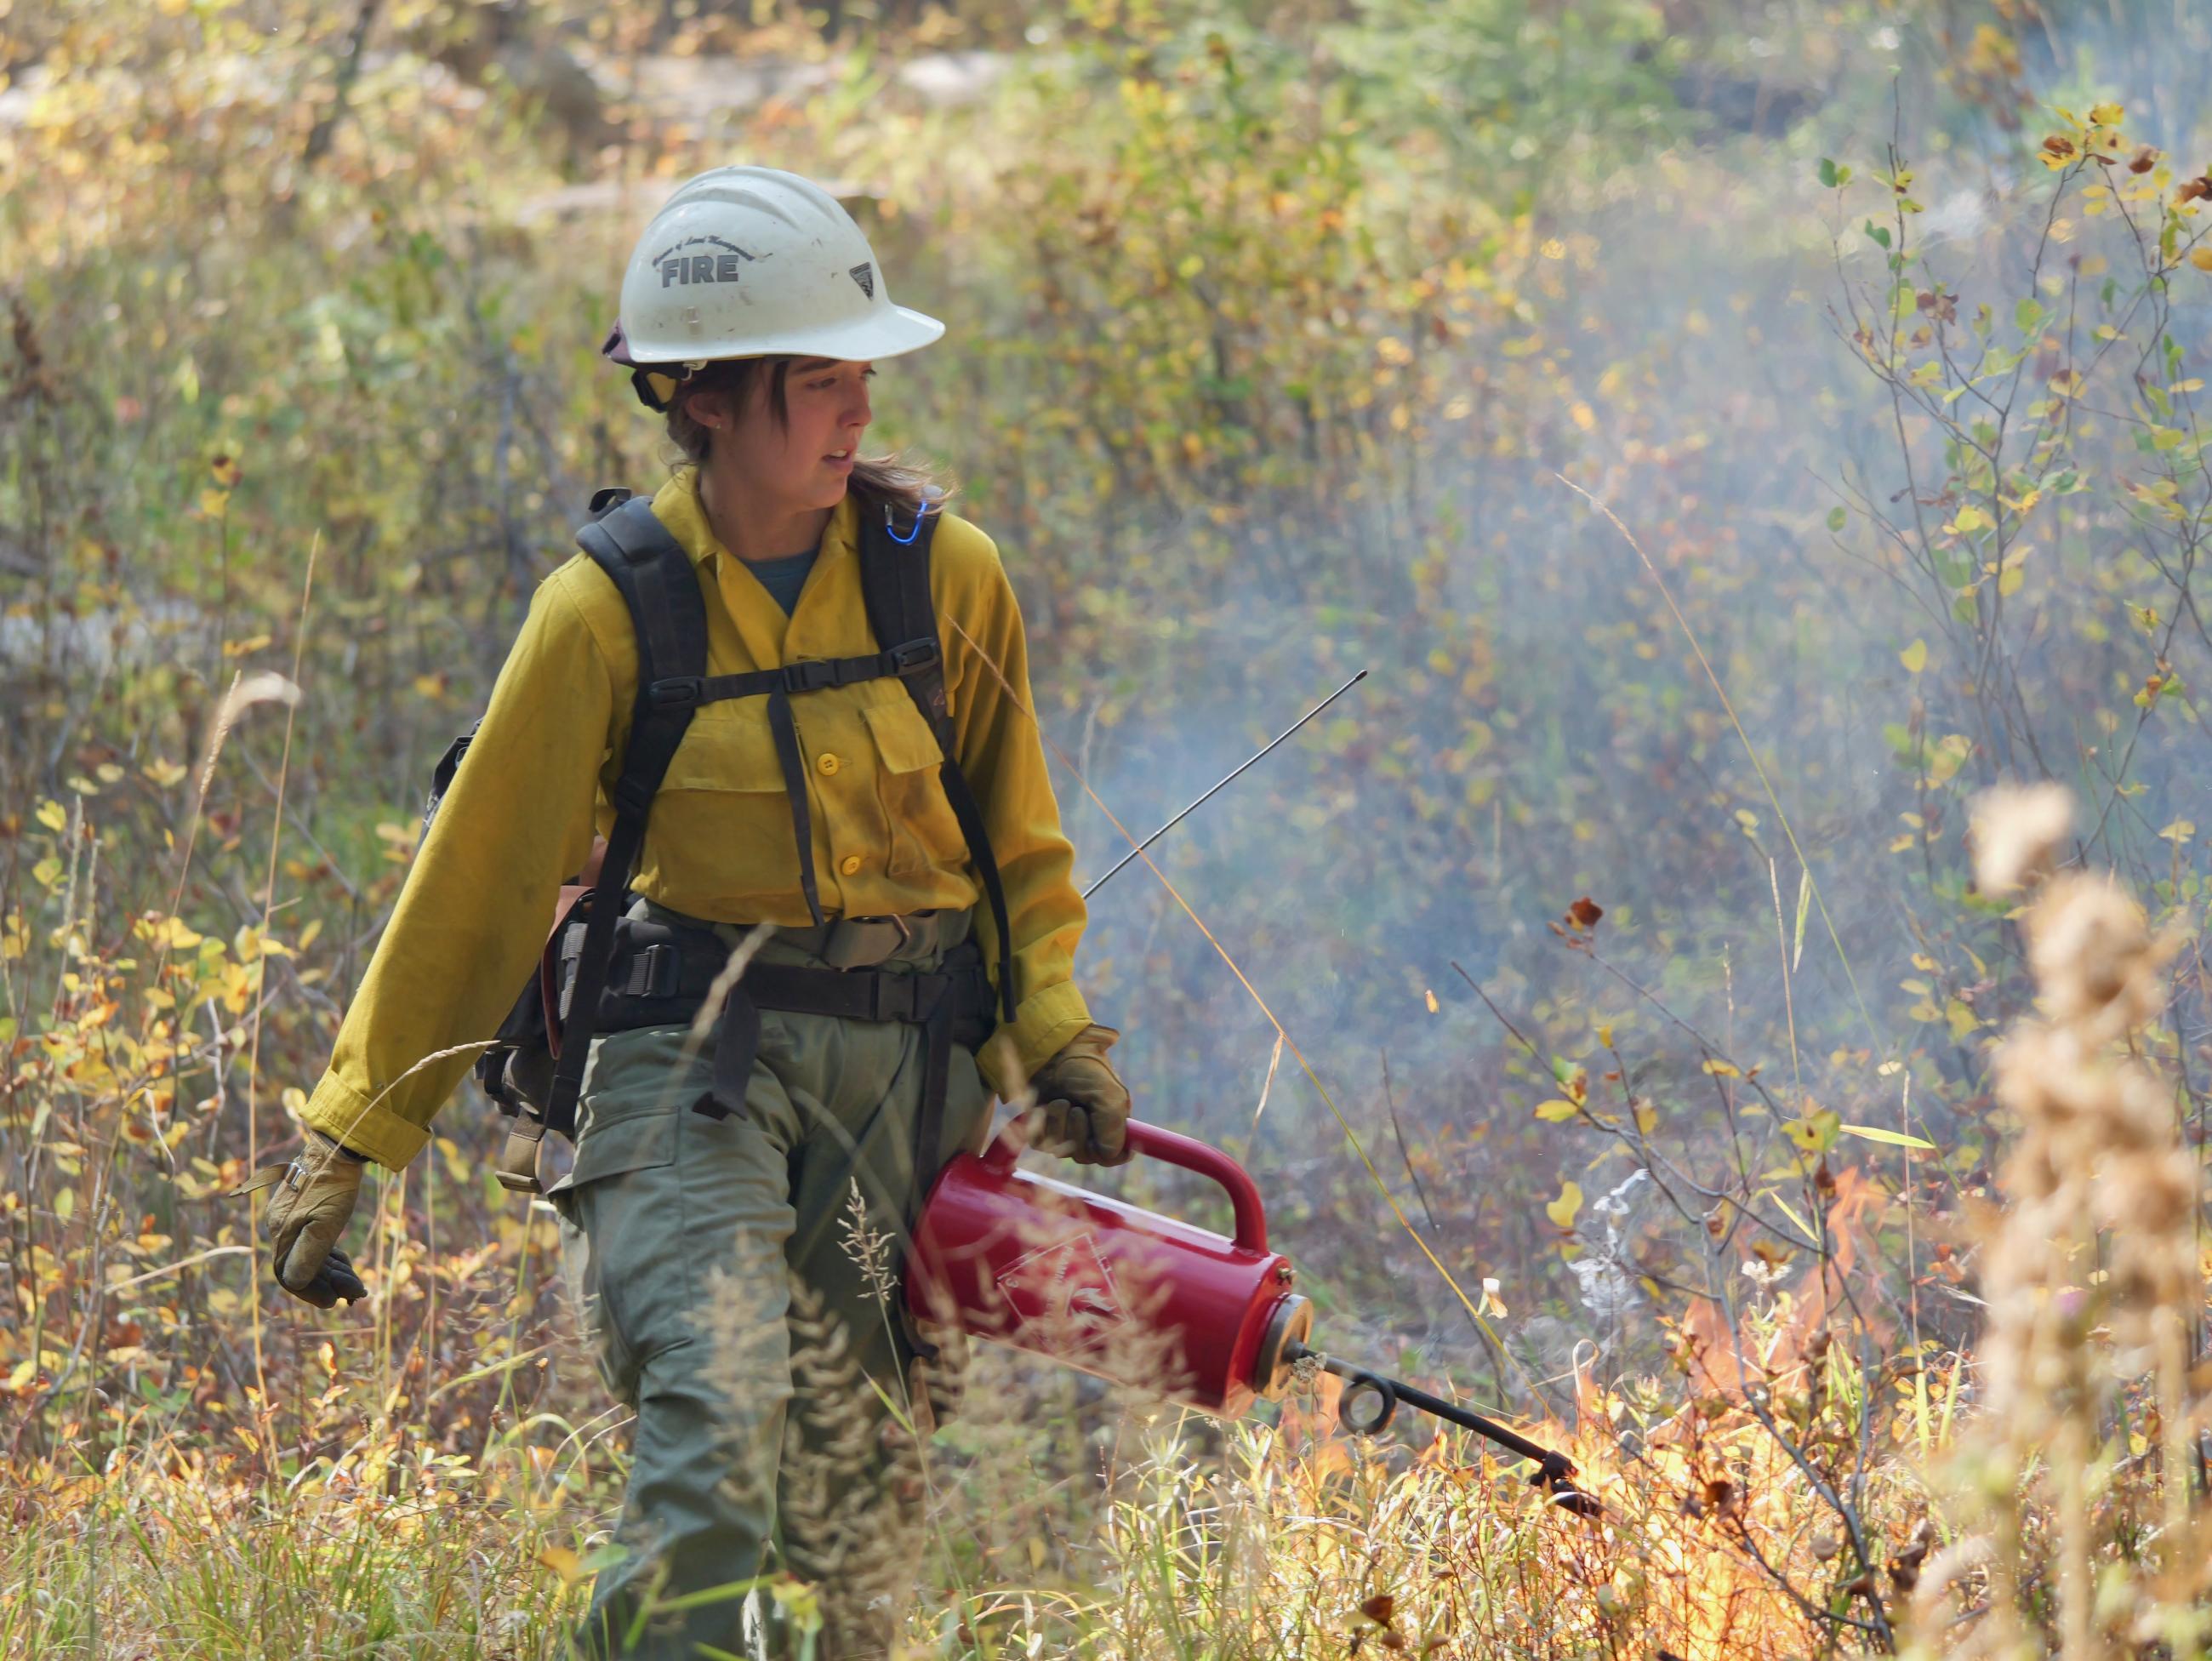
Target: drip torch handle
pixel 1172 1148
pixel 1193 1155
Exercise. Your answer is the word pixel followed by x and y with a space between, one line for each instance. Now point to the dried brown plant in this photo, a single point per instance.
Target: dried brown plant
pixel 2092 1279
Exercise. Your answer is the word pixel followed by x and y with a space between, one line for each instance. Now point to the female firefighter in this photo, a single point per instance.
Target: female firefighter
pixel 807 791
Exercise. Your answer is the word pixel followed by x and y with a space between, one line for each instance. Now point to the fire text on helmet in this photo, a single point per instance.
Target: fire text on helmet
pixel 702 259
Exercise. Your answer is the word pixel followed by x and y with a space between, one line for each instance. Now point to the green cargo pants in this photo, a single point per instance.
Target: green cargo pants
pixel 751 1357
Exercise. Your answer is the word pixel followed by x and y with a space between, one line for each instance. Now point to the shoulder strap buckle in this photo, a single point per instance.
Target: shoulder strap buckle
pixel 914 656
pixel 678 692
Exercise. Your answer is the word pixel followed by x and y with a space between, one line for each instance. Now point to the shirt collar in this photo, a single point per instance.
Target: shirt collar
pixel 677 507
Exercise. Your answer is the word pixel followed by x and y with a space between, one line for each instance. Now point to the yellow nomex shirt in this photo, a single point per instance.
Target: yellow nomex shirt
pixel 524 806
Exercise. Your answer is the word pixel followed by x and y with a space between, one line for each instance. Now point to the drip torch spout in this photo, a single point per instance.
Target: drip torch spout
pixel 1555 1471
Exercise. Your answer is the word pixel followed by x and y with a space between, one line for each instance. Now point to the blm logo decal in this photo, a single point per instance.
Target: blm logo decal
pixel 865 275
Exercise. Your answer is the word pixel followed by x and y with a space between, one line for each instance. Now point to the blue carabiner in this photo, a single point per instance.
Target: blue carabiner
pixel 891 530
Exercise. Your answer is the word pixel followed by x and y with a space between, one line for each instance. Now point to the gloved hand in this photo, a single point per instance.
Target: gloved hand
pixel 1083 1107
pixel 309 1207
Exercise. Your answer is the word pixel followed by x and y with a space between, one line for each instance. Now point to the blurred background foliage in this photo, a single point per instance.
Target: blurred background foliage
pixel 1277 333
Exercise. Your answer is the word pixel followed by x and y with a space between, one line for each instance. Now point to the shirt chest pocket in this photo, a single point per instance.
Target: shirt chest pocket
pixel 727 746
pixel 724 801
pixel 924 830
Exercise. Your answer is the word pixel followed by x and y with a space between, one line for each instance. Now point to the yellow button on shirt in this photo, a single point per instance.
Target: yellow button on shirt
pixel 471 919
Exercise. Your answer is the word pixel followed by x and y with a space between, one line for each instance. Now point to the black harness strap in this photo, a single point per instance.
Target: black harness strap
pixel 794 784
pixel 661 590
pixel 894 586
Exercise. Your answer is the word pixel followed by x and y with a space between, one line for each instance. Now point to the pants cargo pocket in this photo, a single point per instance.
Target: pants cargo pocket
pixel 610 1357
pixel 621 1176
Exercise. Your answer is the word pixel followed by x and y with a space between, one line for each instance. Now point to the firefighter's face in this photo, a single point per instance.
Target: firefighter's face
pixel 804 461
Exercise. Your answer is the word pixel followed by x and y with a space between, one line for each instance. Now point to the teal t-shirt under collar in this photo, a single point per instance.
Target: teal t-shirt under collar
pixel 783 578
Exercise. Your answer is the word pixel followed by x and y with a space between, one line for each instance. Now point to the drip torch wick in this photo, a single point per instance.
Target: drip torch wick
pixel 1554 1470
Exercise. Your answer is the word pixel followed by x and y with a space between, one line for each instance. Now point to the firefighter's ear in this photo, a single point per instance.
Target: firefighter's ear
pixel 710 406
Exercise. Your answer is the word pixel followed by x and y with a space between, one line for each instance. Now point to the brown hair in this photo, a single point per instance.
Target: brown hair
pixel 879 480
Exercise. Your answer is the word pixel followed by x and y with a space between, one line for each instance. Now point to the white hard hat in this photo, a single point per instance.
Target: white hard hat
pixel 752 262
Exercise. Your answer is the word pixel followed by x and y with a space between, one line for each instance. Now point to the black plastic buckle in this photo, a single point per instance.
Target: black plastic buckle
pixel 914 657
pixel 678 693
pixel 654 972
pixel 811 675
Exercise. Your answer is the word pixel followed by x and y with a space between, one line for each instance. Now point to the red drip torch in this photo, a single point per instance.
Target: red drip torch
pixel 1147 1300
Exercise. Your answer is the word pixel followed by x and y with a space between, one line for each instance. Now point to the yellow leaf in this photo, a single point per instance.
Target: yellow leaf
pixel 1963 1021
pixel 174 933
pixel 1555 1109
pixel 563 1562
pixel 1605 1034
pixel 1970 520
pixel 1431 997
pixel 2107 115
pixel 2202 259
pixel 1723 1069
pixel 1914 657
pixel 1894 1138
pixel 1563 1210
pixel 1814 1133
pixel 163 773
pixel 1647 1116
pixel 50 814
pixel 214 503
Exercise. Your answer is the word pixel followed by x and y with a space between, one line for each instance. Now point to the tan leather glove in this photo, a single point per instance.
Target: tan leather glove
pixel 309 1206
pixel 1083 1107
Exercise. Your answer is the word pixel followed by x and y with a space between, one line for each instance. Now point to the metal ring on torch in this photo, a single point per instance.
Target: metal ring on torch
pixel 1386 1398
